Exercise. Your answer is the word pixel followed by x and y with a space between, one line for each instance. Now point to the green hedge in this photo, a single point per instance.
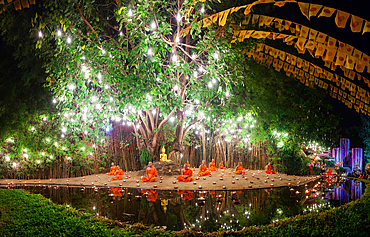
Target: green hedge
pixel 24 214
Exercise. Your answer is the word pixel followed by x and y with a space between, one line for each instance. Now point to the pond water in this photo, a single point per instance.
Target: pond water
pixel 206 211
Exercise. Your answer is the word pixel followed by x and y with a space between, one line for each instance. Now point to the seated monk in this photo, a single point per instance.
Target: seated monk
pixel 187 173
pixel 187 195
pixel 329 172
pixel 187 164
pixel 268 169
pixel 203 171
pixel 239 169
pixel 221 165
pixel 113 169
pixel 152 194
pixel 212 166
pixel 119 174
pixel 151 173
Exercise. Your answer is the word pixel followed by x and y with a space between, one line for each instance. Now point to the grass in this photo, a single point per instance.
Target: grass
pixel 24 214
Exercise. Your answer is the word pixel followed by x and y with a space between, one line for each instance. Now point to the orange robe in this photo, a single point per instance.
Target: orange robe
pixel 239 170
pixel 187 164
pixel 186 194
pixel 187 176
pixel 119 175
pixel 116 192
pixel 268 170
pixel 152 194
pixel 203 171
pixel 113 170
pixel 152 173
pixel 329 172
pixel 221 166
pixel 212 167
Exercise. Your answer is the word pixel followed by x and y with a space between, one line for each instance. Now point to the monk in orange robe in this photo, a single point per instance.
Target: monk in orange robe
pixel 221 165
pixel 113 169
pixel 152 194
pixel 268 169
pixel 187 173
pixel 118 174
pixel 212 166
pixel 239 169
pixel 329 172
pixel 188 195
pixel 203 171
pixel 187 164
pixel 151 173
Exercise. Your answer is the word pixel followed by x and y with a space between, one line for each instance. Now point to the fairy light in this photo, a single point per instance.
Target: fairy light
pixel 227 94
pixel 193 55
pixel 14 164
pixel 150 52
pixel 172 119
pixel 174 58
pixel 215 55
pixel 153 25
pixel 69 40
pixel 54 101
pixel 214 80
pixel 178 17
pixel 210 84
pixel 154 111
pixel 71 87
pixel 59 33
pixel 177 39
pixel 94 99
pixel 38 161
pixel 40 34
pixel 25 156
pixel 64 129
pixel 202 10
pixel 7 158
pixel 130 13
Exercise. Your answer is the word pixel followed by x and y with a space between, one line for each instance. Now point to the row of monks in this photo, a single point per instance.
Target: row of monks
pixel 187 172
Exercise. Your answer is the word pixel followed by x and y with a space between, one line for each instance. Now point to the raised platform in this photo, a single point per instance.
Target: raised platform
pixel 253 179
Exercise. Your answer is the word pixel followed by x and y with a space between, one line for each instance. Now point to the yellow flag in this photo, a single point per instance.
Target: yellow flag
pixel 293 60
pixel 282 55
pixel 310 45
pixel 255 19
pixel 356 23
pixel 320 49
pixel 341 58
pixel 222 21
pixel 327 12
pixel 248 34
pixel 351 75
pixel 17 5
pixel 280 3
pixel 300 44
pixel 241 35
pixel 349 49
pixel 342 46
pixel 366 27
pixel 304 32
pixel 332 42
pixel 360 66
pixel 313 34
pixel 341 19
pixel 357 54
pixel 287 24
pixel 25 4
pixel 304 9
pixel 215 17
pixel 321 37
pixel 248 9
pixel 330 54
pixel 269 21
pixel 206 22
pixel 350 62
pixel 299 62
pixel 314 9
pixel 262 21
pixel 365 58
pixel 247 19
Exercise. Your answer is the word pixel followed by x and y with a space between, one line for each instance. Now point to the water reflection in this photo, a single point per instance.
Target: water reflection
pixel 205 210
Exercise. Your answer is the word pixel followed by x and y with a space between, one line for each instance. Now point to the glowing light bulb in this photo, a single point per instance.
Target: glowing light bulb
pixel 175 88
pixel 25 156
pixel 178 17
pixel 69 40
pixel 14 164
pixel 7 158
pixel 174 58
pixel 40 34
pixel 177 39
pixel 93 99
pixel 172 119
pixel 130 13
pixel 202 10
pixel 154 111
pixel 227 94
pixel 71 87
pixel 38 161
pixel 54 101
pixel 64 129
pixel 59 33
pixel 153 25
pixel 215 55
pixel 214 80
pixel 103 51
pixel 107 129
pixel 193 55
pixel 120 33
pixel 209 84
pixel 150 52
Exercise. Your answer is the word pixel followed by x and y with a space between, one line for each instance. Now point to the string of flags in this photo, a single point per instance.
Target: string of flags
pixel 312 75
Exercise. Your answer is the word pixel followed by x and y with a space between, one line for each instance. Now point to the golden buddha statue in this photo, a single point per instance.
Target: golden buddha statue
pixel 164 203
pixel 163 156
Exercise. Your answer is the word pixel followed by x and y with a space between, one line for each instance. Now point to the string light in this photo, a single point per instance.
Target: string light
pixel 130 13
pixel 7 158
pixel 69 40
pixel 202 10
pixel 153 25
pixel 59 33
pixel 40 34
pixel 150 52
pixel 14 164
